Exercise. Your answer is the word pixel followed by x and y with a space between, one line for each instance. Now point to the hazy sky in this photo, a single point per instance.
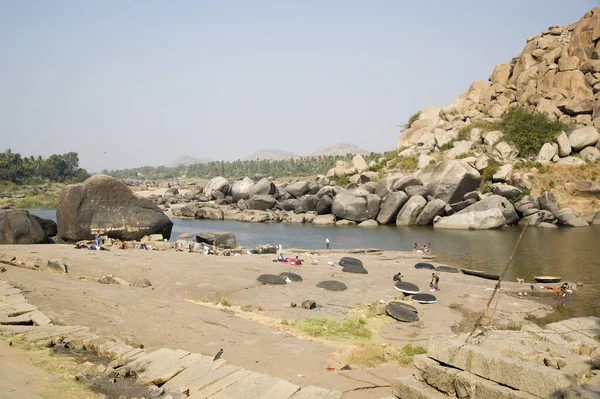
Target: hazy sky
pixel 132 83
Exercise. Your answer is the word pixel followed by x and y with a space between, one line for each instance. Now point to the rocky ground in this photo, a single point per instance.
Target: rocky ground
pixel 202 303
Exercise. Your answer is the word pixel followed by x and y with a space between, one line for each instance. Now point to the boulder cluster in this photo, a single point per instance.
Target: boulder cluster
pixel 445 196
pixel 557 73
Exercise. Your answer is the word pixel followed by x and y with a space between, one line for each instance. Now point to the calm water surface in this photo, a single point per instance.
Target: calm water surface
pixel 573 253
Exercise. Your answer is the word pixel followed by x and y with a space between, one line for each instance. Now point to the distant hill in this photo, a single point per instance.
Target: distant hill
pixel 271 154
pixel 186 160
pixel 339 150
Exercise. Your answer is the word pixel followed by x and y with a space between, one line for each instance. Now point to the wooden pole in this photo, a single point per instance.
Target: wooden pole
pixel 487 306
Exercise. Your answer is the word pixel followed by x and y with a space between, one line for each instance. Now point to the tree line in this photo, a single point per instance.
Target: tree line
pixel 34 170
pixel 292 167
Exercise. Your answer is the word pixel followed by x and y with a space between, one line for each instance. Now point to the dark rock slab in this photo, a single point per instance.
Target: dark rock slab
pixel 447 269
pixel 332 285
pixel 401 313
pixel 405 305
pixel 349 261
pixel 354 268
pixel 292 276
pixel 406 288
pixel 424 298
pixel 423 265
pixel 271 279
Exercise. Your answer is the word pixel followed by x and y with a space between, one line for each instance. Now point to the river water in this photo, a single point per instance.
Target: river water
pixel 573 253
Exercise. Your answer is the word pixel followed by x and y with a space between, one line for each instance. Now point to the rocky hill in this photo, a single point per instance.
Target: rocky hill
pixel 187 160
pixel 271 154
pixel 340 149
pixel 558 75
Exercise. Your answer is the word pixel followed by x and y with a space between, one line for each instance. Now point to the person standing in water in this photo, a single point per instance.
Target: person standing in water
pixel 327 243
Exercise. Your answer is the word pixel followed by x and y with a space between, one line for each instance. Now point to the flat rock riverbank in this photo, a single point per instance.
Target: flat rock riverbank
pixel 204 303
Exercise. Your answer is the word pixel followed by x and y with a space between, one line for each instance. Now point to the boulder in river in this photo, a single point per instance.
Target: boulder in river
pixel 392 204
pixel 450 180
pixel 354 208
pixel 410 211
pixel 476 220
pixel 48 225
pixel 324 205
pixel 433 208
pixel 216 185
pixel 261 202
pixel 306 203
pixel 298 189
pixel 498 202
pixel 226 240
pixel 18 226
pixel 264 187
pixel 106 204
pixel 242 189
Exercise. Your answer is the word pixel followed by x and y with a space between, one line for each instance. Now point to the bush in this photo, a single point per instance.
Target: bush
pixel 528 129
pixel 341 181
pixel 464 132
pixel 465 155
pixel 412 119
pixel 448 146
pixel 487 173
pixel 408 164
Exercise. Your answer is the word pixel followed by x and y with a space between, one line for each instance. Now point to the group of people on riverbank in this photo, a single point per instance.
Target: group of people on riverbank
pixel 426 248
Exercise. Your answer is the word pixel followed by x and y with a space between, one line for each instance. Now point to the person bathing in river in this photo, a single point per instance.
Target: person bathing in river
pixel 416 247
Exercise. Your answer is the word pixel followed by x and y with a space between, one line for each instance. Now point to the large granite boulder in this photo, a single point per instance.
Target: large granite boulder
pixel 410 211
pixel 298 189
pixel 391 206
pixel 477 220
pixel 49 225
pixel 324 205
pixel 20 227
pixel 433 208
pixel 401 184
pixel 495 202
pixel 506 190
pixel 583 137
pixel 450 180
pixel 527 202
pixel 242 189
pixel 324 220
pixel 358 209
pixel 225 240
pixel 106 204
pixel 209 213
pixel 264 187
pixel 216 184
pixel 306 203
pixel 385 185
pixel 261 202
pixel 326 190
pixel 549 203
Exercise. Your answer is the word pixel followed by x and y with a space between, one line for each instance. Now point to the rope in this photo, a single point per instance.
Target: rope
pixel 497 287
